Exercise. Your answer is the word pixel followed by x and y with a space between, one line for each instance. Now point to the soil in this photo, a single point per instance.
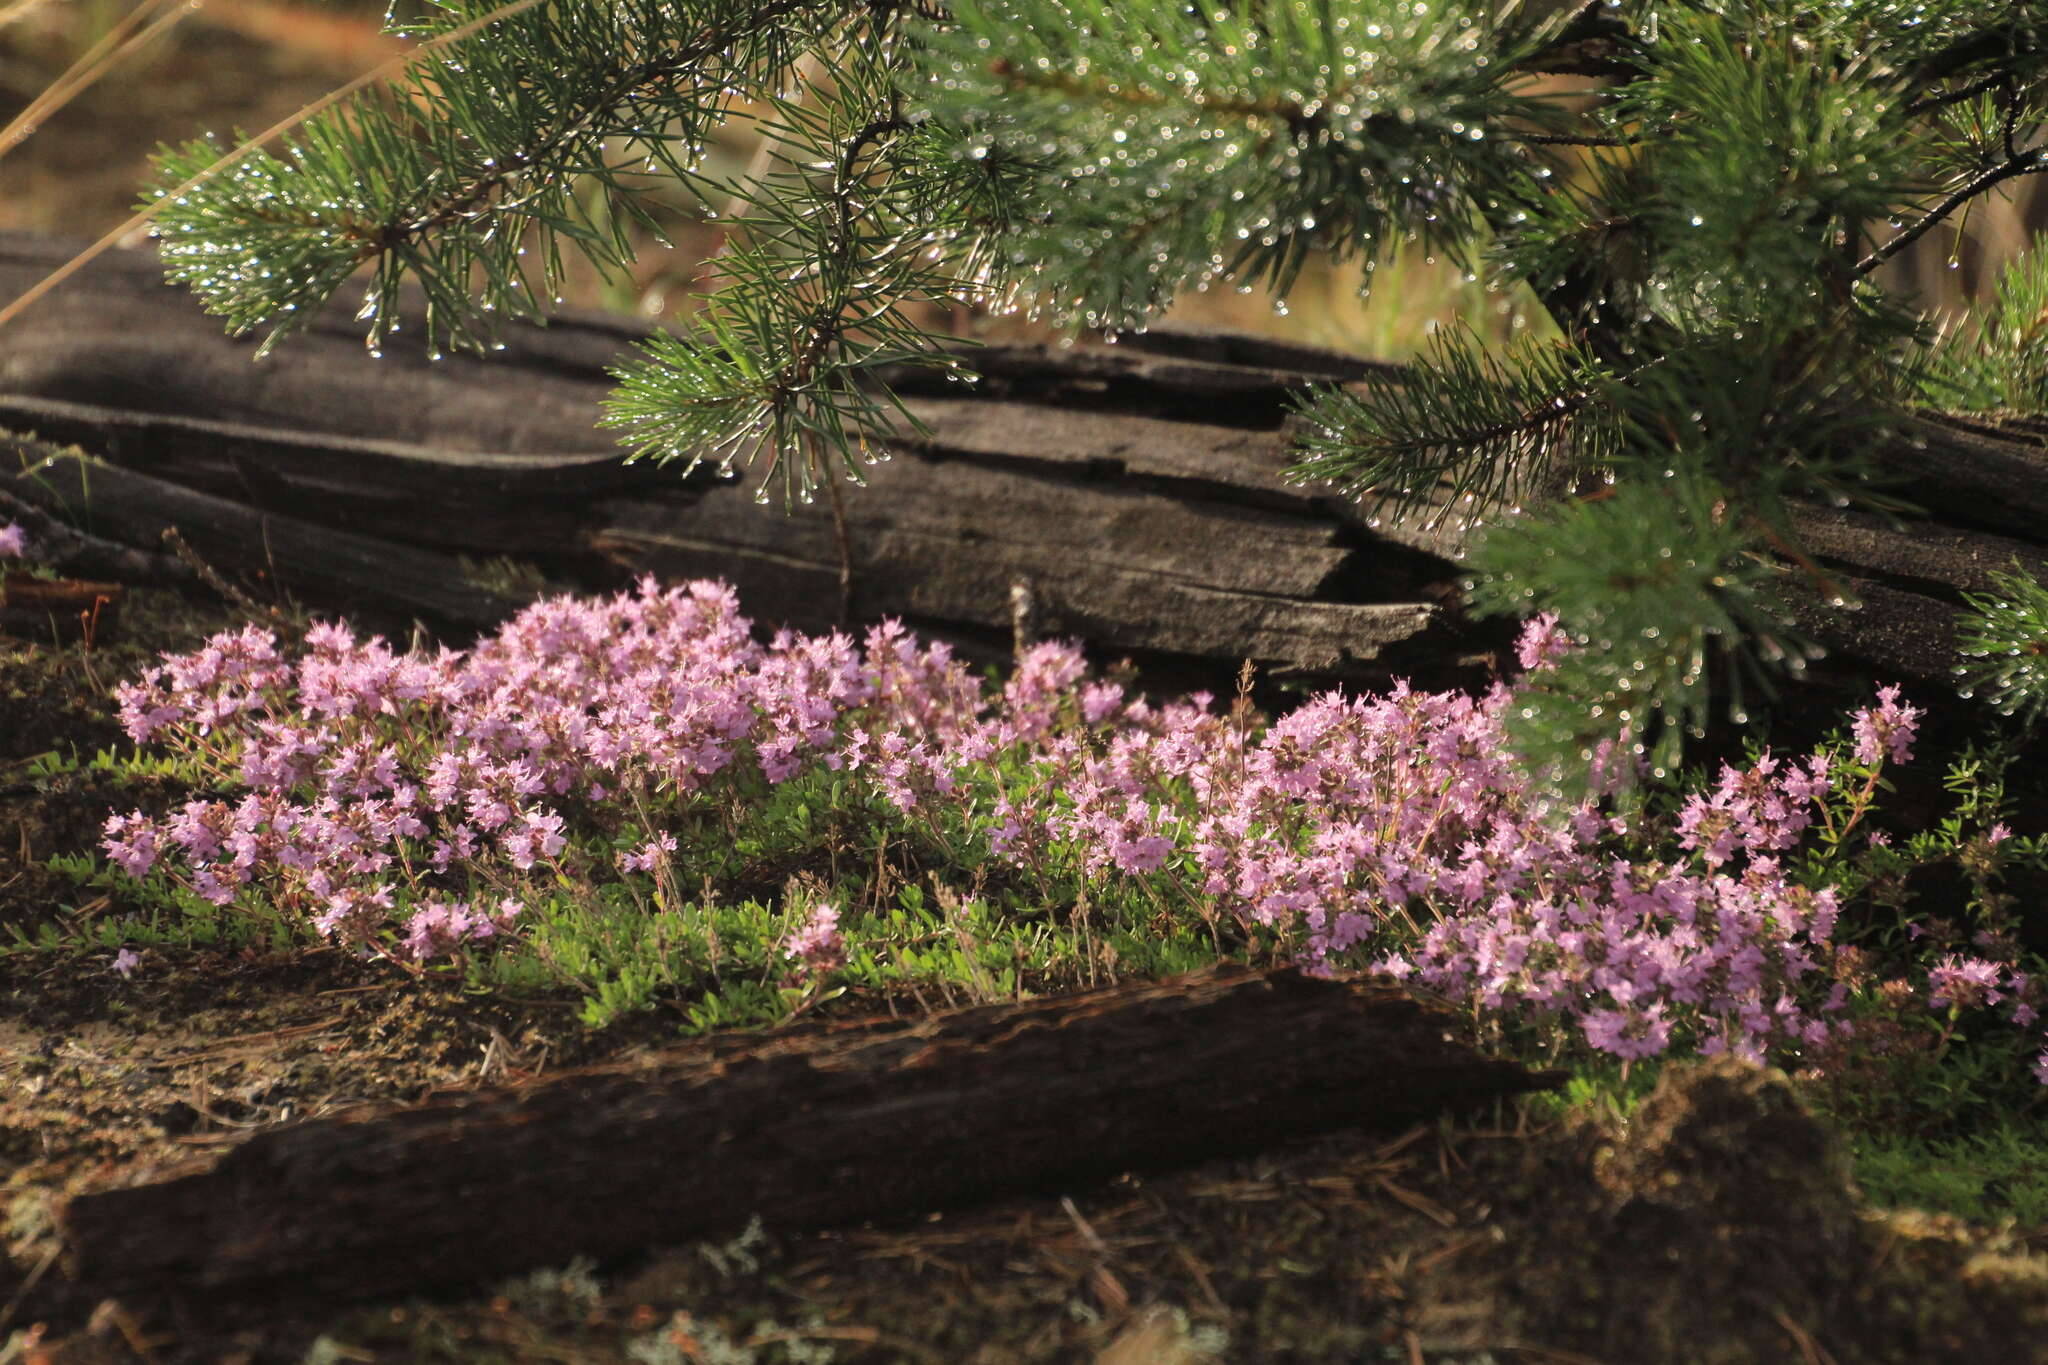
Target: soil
pixel 1718 1224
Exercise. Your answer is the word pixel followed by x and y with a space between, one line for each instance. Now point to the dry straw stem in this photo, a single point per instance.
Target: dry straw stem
pixel 18 10
pixel 121 41
pixel 378 73
pixel 310 28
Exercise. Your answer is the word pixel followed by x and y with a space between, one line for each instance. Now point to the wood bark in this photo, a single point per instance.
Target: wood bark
pixel 1134 492
pixel 58 608
pixel 123 505
pixel 803 1126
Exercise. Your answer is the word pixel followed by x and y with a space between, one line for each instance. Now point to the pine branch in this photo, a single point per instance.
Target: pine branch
pixel 2004 365
pixel 1736 233
pixel 1662 589
pixel 1459 431
pixel 2003 639
pixel 1186 147
pixel 447 175
pixel 780 353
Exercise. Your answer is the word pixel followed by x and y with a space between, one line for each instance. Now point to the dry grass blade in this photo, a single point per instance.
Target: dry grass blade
pixel 19 10
pixel 28 1284
pixel 247 1040
pixel 121 41
pixel 1421 1203
pixel 278 129
pixel 1088 1233
pixel 1810 1351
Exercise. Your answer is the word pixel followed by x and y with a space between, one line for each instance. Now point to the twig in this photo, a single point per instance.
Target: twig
pixel 1087 1231
pixel 1970 91
pixel 1573 139
pixel 845 540
pixel 8 1310
pixel 2026 163
pixel 1810 1351
pixel 248 1040
pixel 212 578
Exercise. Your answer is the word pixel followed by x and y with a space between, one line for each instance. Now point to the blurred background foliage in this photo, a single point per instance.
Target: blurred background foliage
pixel 174 69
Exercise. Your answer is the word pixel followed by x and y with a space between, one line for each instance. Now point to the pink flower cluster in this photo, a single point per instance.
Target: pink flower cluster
pixel 384 787
pixel 1971 982
pixel 1886 729
pixel 818 945
pixel 1405 813
pixel 420 800
pixel 13 541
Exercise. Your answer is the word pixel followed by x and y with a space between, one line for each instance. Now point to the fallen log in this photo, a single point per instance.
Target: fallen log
pixel 112 503
pixel 803 1126
pixel 1135 492
pixel 61 545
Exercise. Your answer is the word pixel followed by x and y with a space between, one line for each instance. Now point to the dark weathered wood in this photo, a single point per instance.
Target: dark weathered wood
pixel 1905 636
pixel 1119 563
pixel 1929 555
pixel 1137 490
pixel 115 337
pixel 1975 474
pixel 111 502
pixel 802 1126
pixel 60 545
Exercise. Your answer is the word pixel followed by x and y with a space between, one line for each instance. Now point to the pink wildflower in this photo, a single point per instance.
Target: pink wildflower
pixel 130 840
pixel 1626 1034
pixel 1887 728
pixel 1963 982
pixel 818 944
pixel 13 541
pixel 1541 643
pixel 1100 701
pixel 650 854
pixel 439 927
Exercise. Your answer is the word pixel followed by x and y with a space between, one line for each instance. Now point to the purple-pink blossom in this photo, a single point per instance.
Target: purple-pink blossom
pixel 1887 729
pixel 818 944
pixel 13 541
pixel 1963 983
pixel 439 927
pixel 1542 642
pixel 650 854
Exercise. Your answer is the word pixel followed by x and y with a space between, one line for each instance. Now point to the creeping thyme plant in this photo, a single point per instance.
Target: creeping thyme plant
pixel 418 807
